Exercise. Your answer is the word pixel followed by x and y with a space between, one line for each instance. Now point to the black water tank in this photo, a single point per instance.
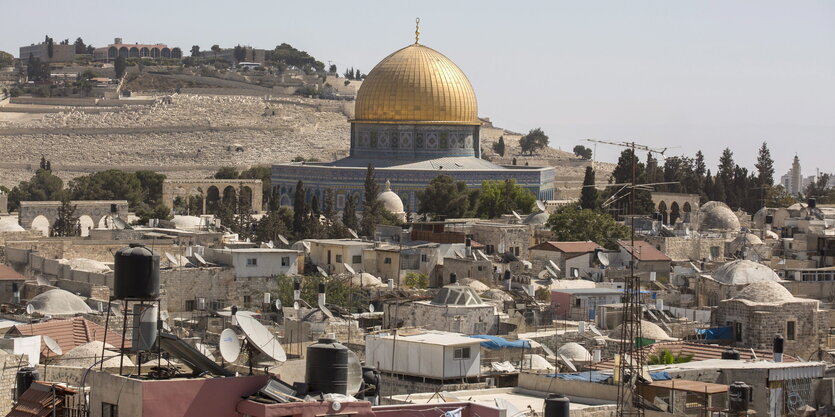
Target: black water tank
pixel 731 354
pixel 812 202
pixel 557 405
pixel 371 381
pixel 24 379
pixel 778 343
pixel 136 273
pixel 739 397
pixel 327 367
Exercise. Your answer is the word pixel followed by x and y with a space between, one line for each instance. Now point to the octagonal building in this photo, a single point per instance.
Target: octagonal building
pixel 416 117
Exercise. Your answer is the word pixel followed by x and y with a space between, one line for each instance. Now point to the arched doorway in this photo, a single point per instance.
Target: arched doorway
pixel 229 195
pixel 86 222
pixel 106 222
pixel 687 209
pixel 212 199
pixel 41 224
pixel 246 198
pixel 675 213
pixel 662 208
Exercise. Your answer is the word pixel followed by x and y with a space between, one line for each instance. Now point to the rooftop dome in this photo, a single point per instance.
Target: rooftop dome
pixel 475 284
pixel 364 279
pixel 89 353
pixel 9 224
pixel 537 219
pixel 86 265
pixel 649 330
pixel 743 271
pixel 765 292
pixel 718 216
pixel 574 352
pixel 186 222
pixel 58 301
pixel 748 239
pixel 391 201
pixel 416 84
pixel 457 295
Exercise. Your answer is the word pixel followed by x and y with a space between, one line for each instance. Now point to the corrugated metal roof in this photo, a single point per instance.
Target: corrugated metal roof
pixel 644 251
pixel 70 333
pixel 38 401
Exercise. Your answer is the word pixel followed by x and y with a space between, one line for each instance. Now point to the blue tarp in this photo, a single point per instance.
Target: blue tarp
pixel 496 342
pixel 716 333
pixel 597 376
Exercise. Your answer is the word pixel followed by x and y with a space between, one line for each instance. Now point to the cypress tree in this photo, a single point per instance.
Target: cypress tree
pixel 299 212
pixel 588 196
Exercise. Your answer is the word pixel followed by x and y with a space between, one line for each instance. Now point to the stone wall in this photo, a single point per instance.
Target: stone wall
pixel 688 249
pixel 468 320
pixel 503 237
pixel 760 322
pixel 9 365
pixel 215 284
pixel 395 385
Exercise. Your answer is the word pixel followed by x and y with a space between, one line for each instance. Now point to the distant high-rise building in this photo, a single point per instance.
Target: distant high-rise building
pixel 793 180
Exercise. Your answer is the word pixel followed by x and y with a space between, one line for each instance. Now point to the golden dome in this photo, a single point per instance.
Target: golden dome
pixel 416 84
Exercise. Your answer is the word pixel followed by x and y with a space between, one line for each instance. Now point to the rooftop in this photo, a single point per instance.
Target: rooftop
pixel 69 333
pixel 568 247
pixel 644 251
pixel 7 273
pixel 432 337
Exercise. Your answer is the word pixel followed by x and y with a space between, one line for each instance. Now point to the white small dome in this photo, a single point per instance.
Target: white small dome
pixel 748 239
pixel 89 353
pixel 743 271
pixel 59 302
pixel 9 224
pixel 391 201
pixel 649 330
pixel 365 279
pixel 475 284
pixel 186 222
pixel 86 265
pixel 574 352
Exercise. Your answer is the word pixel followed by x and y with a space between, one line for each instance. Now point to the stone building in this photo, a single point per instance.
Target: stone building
pixel 416 117
pixel 499 238
pixel 717 217
pixel 764 309
pixel 135 50
pixel 455 308
pixel 60 53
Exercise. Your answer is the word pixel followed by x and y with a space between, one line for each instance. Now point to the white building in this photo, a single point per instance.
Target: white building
pixel 256 262
pixel 425 353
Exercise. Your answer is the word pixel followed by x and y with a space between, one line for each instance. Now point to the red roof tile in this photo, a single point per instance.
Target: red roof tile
pixel 644 251
pixel 70 333
pixel 7 273
pixel 568 247
pixel 38 401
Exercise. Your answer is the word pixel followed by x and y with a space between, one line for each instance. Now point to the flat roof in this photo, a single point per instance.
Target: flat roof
pixel 435 338
pixel 516 397
pixel 590 291
pixel 343 242
pixel 690 386
pixel 257 250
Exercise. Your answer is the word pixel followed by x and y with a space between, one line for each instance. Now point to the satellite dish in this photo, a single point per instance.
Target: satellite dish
pixel 575 273
pixel 515 214
pixel 594 330
pixel 261 338
pixel 296 306
pixel 30 309
pixel 554 266
pixel 230 345
pixel 540 205
pixel 349 268
pixel 544 274
pixel 270 244
pixel 172 261
pixel 354 373
pixel 306 245
pixel 480 253
pixel 371 308
pixel 204 349
pixel 278 304
pixel 603 258
pixel 568 362
pixel 283 240
pixel 325 311
pixel 200 259
pixel 322 272
pixel 458 254
pixel 551 271
pixel 353 233
pixel 52 345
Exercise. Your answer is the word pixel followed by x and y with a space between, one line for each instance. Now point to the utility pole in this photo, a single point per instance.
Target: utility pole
pixel 631 357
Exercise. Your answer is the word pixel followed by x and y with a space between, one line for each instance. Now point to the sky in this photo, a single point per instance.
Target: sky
pixel 684 75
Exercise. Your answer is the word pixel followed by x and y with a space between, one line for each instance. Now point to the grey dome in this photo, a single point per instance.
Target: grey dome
pixel 718 216
pixel 765 292
pixel 575 352
pixel 457 295
pixel 743 271
pixel 59 302
pixel 649 330
pixel 748 239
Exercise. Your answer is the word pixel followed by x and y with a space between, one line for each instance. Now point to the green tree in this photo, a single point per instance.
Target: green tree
pixel 300 212
pixel 499 146
pixel 500 197
pixel 263 173
pixel 66 224
pixel 216 49
pixel 582 152
pixel 195 51
pixel 119 66
pixel 332 70
pixel 765 166
pixel 80 47
pixel 666 357
pixel 416 280
pixel 444 198
pixel 150 183
pixel 227 173
pixel 534 141
pixel 570 224
pixel 588 195
pixel 112 184
pixel 273 224
pixel 146 212
pixel 50 49
pixel 349 213
pixel 239 53
pixel 43 186
pixel 372 208
pixel 622 174
pixel 6 59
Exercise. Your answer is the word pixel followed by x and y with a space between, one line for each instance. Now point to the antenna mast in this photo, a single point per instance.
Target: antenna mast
pixel 631 357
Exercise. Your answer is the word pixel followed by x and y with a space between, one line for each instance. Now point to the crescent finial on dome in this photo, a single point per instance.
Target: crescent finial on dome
pixel 417 30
